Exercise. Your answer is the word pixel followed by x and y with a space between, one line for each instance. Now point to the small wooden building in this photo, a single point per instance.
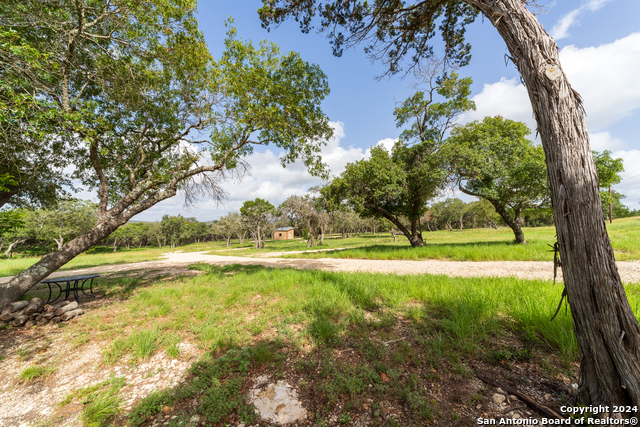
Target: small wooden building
pixel 285 233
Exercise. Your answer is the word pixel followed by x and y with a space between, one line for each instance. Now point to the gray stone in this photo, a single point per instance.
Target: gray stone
pixel 278 403
pixel 498 398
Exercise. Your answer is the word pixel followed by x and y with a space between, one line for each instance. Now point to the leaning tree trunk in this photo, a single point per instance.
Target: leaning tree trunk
pixel 512 222
pixel 606 329
pixel 25 280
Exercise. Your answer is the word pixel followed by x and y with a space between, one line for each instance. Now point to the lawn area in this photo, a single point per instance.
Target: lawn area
pixel 346 341
pixel 486 245
pixel 466 245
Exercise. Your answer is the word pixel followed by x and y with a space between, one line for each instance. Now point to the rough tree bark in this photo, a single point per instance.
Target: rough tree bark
pixel 606 329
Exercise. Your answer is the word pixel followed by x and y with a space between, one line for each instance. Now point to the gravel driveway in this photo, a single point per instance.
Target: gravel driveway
pixel 629 270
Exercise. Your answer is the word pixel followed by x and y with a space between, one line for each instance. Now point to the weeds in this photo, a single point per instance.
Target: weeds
pixel 102 406
pixel 35 372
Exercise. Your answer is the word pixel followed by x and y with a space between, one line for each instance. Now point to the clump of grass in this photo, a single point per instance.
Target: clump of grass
pixel 171 342
pixel 142 344
pixel 102 406
pixel 35 372
pixel 83 393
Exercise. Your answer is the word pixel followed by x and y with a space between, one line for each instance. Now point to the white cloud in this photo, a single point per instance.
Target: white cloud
pixel 268 180
pixel 601 141
pixel 561 29
pixel 605 76
pixel 506 98
pixel 630 185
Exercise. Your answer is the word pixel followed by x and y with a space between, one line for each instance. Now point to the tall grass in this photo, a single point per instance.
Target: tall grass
pixel 218 309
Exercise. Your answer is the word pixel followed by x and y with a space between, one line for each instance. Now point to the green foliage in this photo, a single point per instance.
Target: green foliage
pixel 493 160
pixel 497 162
pixel 101 407
pixel 256 214
pixel 398 184
pixel 11 220
pixel 35 372
pixel 608 168
pixel 391 30
pixel 256 210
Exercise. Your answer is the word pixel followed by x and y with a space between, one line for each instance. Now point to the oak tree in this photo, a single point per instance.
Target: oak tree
pixel 257 213
pixel 398 184
pixel 146 110
pixel 493 160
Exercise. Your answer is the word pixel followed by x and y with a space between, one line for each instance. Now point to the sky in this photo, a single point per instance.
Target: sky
pixel 599 43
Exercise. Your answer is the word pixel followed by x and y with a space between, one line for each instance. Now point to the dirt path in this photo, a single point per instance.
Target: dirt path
pixel 629 270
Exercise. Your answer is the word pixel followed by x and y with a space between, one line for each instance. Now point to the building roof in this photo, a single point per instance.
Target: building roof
pixel 284 229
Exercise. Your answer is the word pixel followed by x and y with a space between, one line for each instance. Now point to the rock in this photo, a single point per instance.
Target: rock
pixel 478 406
pixel 278 403
pixel 500 391
pixel 498 398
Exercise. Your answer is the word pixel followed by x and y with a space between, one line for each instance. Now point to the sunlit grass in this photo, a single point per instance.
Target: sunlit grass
pixel 487 245
pixel 218 309
pixel 467 245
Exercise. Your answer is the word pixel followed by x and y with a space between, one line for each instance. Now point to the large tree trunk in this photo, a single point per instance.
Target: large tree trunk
pixel 606 329
pixel 25 280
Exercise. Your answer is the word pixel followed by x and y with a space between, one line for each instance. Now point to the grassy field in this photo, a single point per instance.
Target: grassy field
pixel 341 336
pixel 466 245
pixel 486 245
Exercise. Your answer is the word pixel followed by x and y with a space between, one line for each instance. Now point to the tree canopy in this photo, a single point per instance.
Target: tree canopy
pixel 257 213
pixel 494 160
pixel 145 111
pixel 399 183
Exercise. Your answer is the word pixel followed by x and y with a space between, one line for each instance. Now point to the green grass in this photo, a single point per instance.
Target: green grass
pixel 446 322
pixel 103 405
pixel 35 372
pixel 486 245
pixel 15 265
pixel 220 310
pixel 466 245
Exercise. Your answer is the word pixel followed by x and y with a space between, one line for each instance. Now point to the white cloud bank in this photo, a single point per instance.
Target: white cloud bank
pixel 268 180
pixel 606 77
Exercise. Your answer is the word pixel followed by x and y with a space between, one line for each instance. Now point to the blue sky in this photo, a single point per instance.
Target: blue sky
pixel 600 53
